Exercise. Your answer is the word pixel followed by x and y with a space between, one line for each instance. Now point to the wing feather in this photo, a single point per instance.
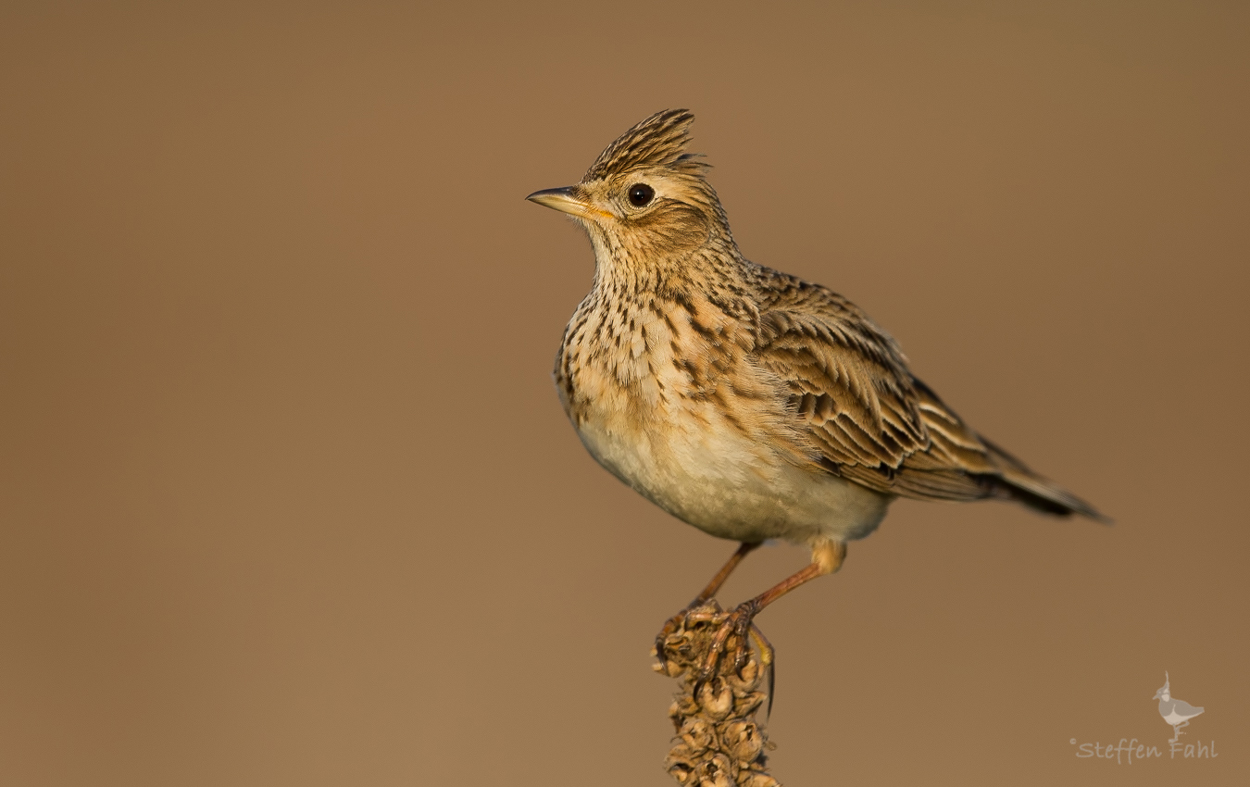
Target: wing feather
pixel 869 419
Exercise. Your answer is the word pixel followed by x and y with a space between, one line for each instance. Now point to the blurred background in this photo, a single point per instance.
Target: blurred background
pixel 286 493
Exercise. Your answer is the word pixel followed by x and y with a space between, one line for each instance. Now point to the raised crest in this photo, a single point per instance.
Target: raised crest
pixel 658 141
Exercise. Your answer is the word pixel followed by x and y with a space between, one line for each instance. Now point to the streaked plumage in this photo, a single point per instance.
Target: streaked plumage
pixel 745 401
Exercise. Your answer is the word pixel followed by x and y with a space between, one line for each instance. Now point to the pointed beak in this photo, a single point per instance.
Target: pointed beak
pixel 567 200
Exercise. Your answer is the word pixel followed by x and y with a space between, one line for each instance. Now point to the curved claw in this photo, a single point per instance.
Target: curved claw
pixel 671 627
pixel 767 658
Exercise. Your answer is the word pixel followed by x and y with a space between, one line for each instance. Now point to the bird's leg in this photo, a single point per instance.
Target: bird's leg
pixel 744 549
pixel 827 557
pixel 1176 730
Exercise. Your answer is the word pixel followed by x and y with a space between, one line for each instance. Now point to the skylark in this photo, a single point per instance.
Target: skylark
pixel 742 400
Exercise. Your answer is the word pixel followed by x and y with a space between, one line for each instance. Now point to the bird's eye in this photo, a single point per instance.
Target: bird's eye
pixel 640 195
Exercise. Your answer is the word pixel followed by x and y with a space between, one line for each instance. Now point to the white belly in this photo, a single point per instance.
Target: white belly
pixel 706 472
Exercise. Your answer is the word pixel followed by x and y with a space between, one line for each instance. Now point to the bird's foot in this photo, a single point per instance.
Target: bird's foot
pixel 676 651
pixel 732 644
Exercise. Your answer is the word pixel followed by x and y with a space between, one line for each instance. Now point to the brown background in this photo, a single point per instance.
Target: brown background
pixel 286 495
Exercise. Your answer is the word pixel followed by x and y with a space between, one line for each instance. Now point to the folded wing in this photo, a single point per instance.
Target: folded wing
pixel 874 423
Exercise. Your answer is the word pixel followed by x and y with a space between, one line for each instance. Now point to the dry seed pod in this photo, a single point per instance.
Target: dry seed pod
pixel 748 679
pixel 742 740
pixel 719 743
pixel 716 771
pixel 716 698
pixel 699 734
pixel 681 763
pixel 747 705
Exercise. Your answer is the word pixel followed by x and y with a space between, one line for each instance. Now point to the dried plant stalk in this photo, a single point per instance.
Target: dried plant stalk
pixel 719 742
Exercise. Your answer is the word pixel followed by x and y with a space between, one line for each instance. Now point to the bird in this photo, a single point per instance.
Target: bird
pixel 747 402
pixel 1174 712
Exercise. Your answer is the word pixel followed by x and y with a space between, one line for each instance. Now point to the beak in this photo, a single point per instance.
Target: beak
pixel 567 200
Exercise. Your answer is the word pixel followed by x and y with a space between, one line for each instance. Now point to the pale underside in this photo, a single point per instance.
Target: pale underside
pixel 707 436
pixel 706 473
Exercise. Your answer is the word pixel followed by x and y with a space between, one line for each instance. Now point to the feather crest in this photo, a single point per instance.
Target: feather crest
pixel 658 141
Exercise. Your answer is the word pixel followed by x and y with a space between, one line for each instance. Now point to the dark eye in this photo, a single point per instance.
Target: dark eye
pixel 640 194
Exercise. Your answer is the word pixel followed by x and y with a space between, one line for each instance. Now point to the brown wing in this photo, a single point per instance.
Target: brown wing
pixel 871 421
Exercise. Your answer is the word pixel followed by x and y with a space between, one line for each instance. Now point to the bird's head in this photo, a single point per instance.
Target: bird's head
pixel 1164 693
pixel 645 199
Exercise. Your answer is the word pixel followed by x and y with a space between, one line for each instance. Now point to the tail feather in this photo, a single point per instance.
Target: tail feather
pixel 1021 484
